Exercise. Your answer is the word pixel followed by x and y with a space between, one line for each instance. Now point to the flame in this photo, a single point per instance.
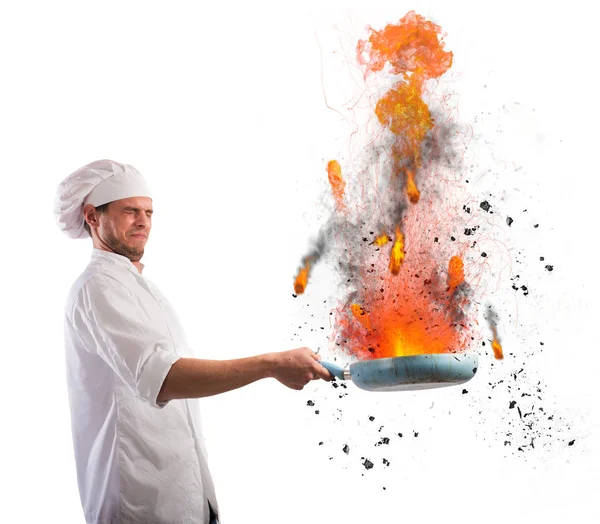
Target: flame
pixel 397 255
pixel 410 311
pixel 361 315
pixel 381 240
pixel 406 115
pixel 410 46
pixel 406 316
pixel 302 278
pixel 456 272
pixel 334 172
pixel 413 50
pixel 388 312
pixel 411 188
pixel 496 346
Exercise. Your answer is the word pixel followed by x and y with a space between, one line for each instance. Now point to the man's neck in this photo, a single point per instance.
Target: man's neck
pixel 98 244
pixel 139 266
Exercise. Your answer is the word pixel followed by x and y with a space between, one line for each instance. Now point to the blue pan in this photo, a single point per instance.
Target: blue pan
pixel 408 373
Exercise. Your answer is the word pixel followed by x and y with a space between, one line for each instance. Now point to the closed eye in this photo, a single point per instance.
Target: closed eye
pixel 137 210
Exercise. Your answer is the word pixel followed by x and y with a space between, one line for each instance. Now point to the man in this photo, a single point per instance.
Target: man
pixel 132 378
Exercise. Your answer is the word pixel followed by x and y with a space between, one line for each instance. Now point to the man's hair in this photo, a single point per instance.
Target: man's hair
pixel 101 209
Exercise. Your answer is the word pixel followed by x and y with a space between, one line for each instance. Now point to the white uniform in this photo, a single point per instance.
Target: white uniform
pixel 138 462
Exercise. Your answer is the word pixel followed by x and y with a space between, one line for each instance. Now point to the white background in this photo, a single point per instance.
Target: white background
pixel 223 110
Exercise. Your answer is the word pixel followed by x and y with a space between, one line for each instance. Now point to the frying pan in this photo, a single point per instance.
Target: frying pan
pixel 408 373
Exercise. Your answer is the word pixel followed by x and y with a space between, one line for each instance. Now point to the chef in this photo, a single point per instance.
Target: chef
pixel 132 379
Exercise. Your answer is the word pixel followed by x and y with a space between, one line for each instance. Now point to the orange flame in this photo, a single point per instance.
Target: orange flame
pixel 397 255
pixel 496 346
pixel 302 278
pixel 404 113
pixel 408 312
pixel 334 172
pixel 413 50
pixel 411 188
pixel 406 315
pixel 381 240
pixel 410 46
pixel 361 315
pixel 456 272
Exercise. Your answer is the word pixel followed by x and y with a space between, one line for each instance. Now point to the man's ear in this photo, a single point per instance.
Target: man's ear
pixel 91 215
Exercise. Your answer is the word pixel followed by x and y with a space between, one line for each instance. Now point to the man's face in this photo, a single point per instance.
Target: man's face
pixel 125 227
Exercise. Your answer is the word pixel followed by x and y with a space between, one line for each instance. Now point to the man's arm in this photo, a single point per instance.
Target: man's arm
pixel 195 378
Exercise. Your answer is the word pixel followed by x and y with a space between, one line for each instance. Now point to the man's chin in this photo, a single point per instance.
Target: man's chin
pixel 133 253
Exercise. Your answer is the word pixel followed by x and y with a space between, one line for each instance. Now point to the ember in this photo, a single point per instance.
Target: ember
pixel 397 256
pixel 334 172
pixel 492 318
pixel 497 347
pixel 302 278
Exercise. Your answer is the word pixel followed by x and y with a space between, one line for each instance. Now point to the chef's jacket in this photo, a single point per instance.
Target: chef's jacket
pixel 138 461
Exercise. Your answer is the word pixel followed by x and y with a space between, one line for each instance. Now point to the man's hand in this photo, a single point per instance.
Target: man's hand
pixel 297 367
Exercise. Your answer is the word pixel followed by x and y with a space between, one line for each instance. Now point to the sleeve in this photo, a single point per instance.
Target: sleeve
pixel 113 324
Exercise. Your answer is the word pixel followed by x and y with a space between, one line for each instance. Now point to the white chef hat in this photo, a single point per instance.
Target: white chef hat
pixel 97 183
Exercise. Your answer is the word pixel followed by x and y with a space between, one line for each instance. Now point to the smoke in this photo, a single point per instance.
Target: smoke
pixel 492 317
pixel 444 145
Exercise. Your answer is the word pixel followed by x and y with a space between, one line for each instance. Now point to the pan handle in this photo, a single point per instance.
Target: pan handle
pixel 334 369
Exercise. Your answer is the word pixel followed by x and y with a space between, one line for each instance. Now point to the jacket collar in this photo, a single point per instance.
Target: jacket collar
pixel 115 259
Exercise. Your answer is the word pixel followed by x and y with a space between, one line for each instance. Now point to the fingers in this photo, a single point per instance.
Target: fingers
pixel 315 375
pixel 300 367
pixel 321 372
pixel 318 371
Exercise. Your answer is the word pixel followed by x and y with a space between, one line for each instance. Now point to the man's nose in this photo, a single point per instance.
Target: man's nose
pixel 142 220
